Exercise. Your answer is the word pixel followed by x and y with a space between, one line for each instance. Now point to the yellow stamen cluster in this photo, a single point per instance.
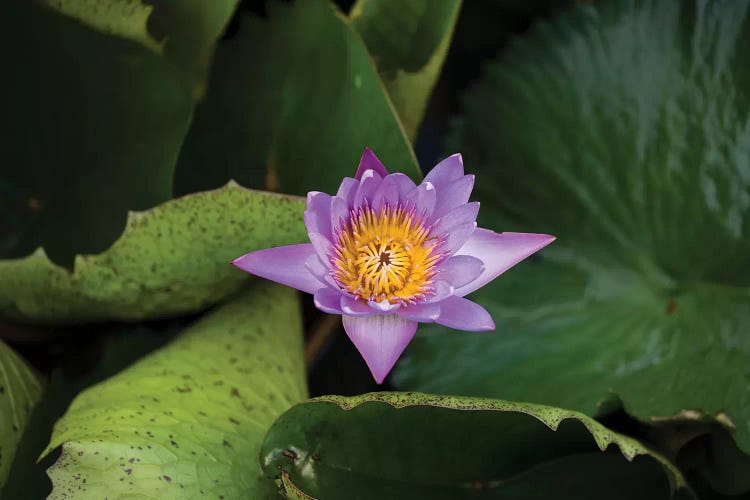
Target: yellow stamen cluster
pixel 388 254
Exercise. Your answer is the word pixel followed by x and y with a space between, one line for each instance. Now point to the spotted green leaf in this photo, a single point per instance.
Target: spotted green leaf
pixel 409 42
pixel 189 419
pixel 412 445
pixel 622 128
pixel 170 260
pixel 293 101
pixel 20 390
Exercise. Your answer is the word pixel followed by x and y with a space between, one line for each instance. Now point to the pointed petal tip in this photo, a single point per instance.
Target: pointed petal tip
pixel 380 339
pixel 368 161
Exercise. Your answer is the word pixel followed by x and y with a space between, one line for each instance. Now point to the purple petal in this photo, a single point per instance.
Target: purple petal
pixel 403 182
pixel 453 195
pixel 424 312
pixel 367 186
pixel 386 194
pixel 347 189
pixel 318 269
pixel 424 197
pixel 499 252
pixel 327 300
pixel 458 236
pixel 442 290
pixel 380 339
pixel 339 212
pixel 463 314
pixel 461 215
pixel 383 306
pixel 285 265
pixel 460 270
pixel 355 307
pixel 447 171
pixel 369 161
pixel 321 244
pixel 318 213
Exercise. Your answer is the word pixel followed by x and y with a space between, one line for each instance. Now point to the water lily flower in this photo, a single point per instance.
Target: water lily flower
pixel 387 254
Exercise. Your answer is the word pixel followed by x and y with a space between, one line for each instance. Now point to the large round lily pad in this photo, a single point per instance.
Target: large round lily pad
pixel 621 128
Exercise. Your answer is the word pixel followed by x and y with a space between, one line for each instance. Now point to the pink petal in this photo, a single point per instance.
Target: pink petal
pixel 355 307
pixel 499 252
pixel 424 197
pixel 369 183
pixel 424 312
pixel 460 270
pixel 318 213
pixel 327 300
pixel 447 171
pixel 460 215
pixel 369 161
pixel 285 265
pixel 463 314
pixel 453 195
pixel 380 339
pixel 347 189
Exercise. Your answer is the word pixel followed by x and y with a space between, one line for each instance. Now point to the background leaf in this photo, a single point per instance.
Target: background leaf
pixel 621 128
pixel 188 420
pixel 114 115
pixel 293 101
pixel 20 390
pixel 409 42
pixel 172 259
pixel 408 445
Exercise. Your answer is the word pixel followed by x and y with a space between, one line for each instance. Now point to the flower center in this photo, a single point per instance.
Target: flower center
pixel 385 255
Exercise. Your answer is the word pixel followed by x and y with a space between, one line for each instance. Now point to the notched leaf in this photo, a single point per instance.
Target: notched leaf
pixel 170 260
pixel 415 445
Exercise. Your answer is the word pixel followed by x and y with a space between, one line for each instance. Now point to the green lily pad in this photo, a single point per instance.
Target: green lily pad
pixel 189 419
pixel 622 129
pixel 411 445
pixel 20 391
pixel 95 124
pixel 293 101
pixel 170 260
pixel 409 42
pixel 185 32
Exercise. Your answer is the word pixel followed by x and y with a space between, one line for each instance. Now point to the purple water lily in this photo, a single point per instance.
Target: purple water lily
pixel 387 254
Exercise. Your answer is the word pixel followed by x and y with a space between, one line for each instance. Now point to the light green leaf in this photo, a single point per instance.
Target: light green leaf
pixel 293 101
pixel 622 128
pixel 411 445
pixel 409 42
pixel 170 260
pixel 189 419
pixel 20 390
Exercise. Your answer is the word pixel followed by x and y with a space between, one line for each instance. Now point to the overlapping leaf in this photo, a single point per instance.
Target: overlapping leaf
pixel 171 259
pixel 293 101
pixel 94 126
pixel 408 41
pixel 622 128
pixel 188 420
pixel 20 390
pixel 410 445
